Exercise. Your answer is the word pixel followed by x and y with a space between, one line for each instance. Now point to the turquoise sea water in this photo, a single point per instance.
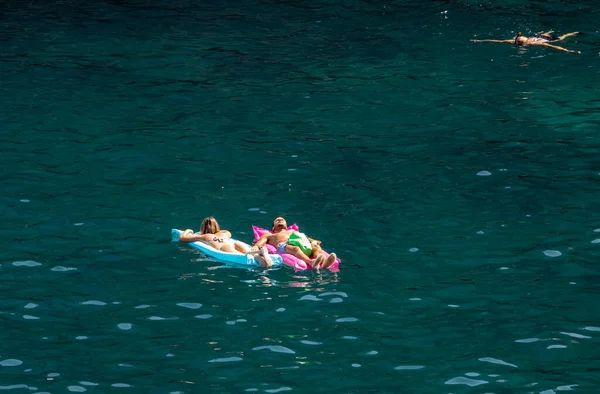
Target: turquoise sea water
pixel 458 182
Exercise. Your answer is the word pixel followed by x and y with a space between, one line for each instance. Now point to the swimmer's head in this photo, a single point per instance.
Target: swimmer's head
pixel 209 226
pixel 520 39
pixel 279 223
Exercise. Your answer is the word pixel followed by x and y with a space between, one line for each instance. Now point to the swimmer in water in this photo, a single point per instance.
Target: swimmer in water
pixel 541 39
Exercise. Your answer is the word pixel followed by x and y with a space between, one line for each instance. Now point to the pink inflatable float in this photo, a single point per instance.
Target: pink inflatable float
pixel 288 259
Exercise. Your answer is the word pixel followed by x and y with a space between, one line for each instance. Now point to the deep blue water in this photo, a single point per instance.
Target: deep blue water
pixel 457 181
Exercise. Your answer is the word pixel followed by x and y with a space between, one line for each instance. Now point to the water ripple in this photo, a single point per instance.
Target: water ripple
pixel 466 381
pixel 276 349
pixel 409 367
pixel 26 263
pixel 496 361
pixel 93 302
pixel 309 297
pixel 11 362
pixel 225 360
pixel 189 305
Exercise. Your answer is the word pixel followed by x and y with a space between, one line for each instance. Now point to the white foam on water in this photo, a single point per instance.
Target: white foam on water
pixel 203 316
pixel 125 326
pixel 280 310
pixel 76 389
pixel 484 173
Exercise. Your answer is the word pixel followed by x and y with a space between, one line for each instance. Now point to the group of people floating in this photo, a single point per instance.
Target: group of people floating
pixel 211 234
pixel 540 39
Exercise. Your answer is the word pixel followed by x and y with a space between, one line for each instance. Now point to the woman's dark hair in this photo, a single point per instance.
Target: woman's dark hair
pixel 519 34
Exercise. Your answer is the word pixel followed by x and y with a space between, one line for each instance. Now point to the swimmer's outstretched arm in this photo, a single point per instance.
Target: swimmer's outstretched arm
pixel 557 47
pixel 509 41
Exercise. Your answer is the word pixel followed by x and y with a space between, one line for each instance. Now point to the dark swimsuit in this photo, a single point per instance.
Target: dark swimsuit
pixel 546 37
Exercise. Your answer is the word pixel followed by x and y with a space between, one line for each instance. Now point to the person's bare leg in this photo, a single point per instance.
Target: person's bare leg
pixel 242 248
pixel 329 261
pixel 560 38
pixel 264 254
pixel 544 33
pixel 316 262
pixel 229 248
pixel 297 252
pixel 318 255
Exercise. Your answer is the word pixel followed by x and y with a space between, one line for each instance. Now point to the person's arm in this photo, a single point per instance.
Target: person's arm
pixel 262 241
pixel 509 41
pixel 312 240
pixel 189 236
pixel 557 47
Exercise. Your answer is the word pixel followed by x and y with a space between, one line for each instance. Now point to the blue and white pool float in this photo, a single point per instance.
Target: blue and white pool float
pixel 246 260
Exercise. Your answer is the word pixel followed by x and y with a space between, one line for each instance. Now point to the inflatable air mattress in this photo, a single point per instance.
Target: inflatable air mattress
pixel 288 259
pixel 247 260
